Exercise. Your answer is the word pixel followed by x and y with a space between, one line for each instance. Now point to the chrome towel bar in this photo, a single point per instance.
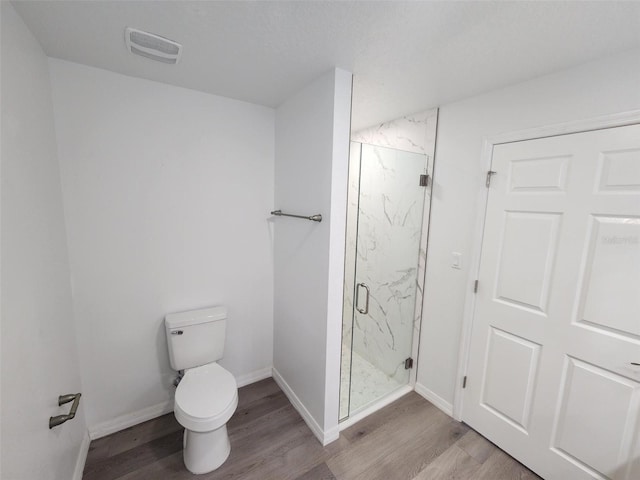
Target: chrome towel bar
pixel 62 399
pixel 313 218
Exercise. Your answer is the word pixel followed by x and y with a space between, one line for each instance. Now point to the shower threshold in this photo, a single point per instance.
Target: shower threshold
pixel 370 390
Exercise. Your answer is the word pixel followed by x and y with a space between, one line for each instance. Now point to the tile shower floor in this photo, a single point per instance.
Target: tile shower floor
pixel 368 385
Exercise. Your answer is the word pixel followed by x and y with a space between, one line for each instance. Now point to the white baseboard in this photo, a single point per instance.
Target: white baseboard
pixel 134 418
pixel 253 377
pixel 82 457
pixel 437 400
pixel 324 437
pixel 129 420
pixel 331 435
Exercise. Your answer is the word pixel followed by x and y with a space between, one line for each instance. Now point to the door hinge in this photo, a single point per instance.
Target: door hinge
pixel 464 382
pixel 408 363
pixel 424 180
pixel 475 286
pixel 490 173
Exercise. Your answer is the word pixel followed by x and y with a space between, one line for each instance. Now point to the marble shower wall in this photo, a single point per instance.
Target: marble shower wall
pixel 413 133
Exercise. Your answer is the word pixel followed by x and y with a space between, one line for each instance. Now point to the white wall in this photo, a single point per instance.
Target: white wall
pixel 167 194
pixel 608 86
pixel 312 150
pixel 39 355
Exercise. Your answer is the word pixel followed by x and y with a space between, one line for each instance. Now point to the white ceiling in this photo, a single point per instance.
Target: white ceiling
pixel 406 56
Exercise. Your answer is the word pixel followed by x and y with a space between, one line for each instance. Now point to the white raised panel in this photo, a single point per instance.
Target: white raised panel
pixel 596 425
pixel 527 253
pixel 620 171
pixel 610 295
pixel 509 377
pixel 538 174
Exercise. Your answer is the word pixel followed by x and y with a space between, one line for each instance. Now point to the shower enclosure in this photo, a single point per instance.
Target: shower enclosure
pixel 384 230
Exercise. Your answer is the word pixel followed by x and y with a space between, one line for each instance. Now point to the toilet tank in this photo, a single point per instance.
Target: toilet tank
pixel 196 337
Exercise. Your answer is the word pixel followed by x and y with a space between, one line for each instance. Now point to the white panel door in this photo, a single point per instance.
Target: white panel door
pixel 553 376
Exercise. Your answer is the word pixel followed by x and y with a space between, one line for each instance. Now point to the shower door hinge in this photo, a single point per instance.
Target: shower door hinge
pixel 475 286
pixel 408 363
pixel 424 180
pixel 464 382
pixel 490 173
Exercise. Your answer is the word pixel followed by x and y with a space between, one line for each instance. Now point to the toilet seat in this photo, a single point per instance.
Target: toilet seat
pixel 206 398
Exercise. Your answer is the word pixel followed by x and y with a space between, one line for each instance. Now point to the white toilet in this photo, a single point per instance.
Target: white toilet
pixel 207 395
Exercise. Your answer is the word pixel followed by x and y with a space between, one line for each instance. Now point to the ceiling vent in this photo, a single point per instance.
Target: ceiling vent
pixel 152 46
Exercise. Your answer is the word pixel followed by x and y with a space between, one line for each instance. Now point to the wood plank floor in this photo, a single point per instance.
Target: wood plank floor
pixel 407 440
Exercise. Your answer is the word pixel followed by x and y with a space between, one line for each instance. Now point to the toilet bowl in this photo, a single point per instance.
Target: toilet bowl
pixel 207 394
pixel 206 398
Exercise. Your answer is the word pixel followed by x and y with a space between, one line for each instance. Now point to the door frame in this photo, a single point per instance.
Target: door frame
pixel 596 123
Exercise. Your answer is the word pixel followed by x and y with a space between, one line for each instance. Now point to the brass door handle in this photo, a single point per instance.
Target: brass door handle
pixel 62 399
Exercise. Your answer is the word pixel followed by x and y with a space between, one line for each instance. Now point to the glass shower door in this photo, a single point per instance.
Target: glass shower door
pixel 389 225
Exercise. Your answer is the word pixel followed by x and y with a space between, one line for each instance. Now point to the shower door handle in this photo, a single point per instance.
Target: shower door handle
pixel 364 310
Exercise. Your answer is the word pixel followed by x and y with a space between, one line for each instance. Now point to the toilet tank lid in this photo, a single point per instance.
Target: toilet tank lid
pixel 194 317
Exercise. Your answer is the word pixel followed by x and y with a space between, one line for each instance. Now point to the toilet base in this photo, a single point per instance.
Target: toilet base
pixel 205 451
